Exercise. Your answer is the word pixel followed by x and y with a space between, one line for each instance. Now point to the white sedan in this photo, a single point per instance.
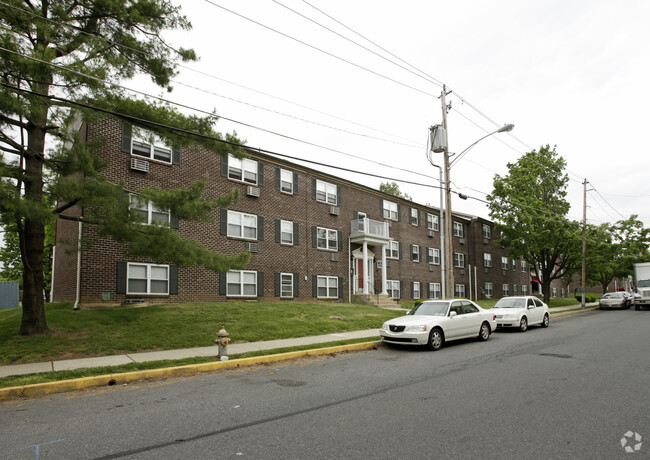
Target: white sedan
pixel 434 322
pixel 520 312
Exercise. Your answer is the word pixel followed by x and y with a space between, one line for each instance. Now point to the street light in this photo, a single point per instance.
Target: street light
pixel 439 143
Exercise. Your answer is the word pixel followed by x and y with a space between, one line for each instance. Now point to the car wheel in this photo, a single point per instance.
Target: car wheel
pixel 637 307
pixel 523 324
pixel 484 332
pixel 545 321
pixel 436 339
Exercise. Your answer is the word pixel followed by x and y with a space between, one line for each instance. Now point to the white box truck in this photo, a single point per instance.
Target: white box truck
pixel 642 284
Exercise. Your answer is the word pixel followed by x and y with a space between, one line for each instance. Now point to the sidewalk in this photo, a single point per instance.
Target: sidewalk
pixel 233 349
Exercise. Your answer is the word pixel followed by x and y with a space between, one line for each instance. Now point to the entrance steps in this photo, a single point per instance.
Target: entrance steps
pixel 378 300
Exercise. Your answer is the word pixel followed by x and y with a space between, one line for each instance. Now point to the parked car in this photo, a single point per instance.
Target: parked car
pixel 521 312
pixel 434 322
pixel 614 300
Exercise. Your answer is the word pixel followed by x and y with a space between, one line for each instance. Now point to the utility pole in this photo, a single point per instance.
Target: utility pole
pixel 584 242
pixel 449 258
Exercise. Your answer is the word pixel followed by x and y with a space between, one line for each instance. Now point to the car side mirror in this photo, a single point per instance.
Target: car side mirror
pixel 530 307
pixel 452 314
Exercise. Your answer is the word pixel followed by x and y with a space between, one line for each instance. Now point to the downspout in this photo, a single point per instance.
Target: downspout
pixel 349 271
pixel 52 274
pixel 78 296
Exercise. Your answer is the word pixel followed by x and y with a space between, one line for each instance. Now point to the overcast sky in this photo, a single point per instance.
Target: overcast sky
pixel 570 73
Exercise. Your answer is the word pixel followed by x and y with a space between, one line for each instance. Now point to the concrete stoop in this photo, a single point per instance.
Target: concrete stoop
pixel 378 300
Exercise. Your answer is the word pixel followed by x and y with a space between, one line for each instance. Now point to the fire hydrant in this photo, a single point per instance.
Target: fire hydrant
pixel 222 341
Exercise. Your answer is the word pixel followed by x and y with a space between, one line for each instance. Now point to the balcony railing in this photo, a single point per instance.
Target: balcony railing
pixel 368 227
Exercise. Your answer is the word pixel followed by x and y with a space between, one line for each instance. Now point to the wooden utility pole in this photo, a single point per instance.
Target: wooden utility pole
pixel 584 242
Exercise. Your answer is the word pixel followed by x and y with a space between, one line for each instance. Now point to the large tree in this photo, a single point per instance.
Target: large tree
pixel 392 188
pixel 529 208
pixel 61 56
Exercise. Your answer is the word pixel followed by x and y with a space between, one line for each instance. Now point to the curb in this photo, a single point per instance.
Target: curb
pixel 40 389
pixel 573 313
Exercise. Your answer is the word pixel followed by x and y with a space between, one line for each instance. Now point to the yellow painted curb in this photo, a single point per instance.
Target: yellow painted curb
pixel 62 386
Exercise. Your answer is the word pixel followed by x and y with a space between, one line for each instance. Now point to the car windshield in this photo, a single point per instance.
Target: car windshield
pixel 431 308
pixel 613 295
pixel 643 283
pixel 508 302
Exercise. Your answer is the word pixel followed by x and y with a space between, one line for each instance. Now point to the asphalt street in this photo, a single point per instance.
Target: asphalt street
pixel 573 390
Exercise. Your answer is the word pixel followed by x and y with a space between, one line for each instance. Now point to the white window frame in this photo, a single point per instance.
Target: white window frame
pixel 505 290
pixel 488 288
pixel 563 293
pixel 242 225
pixel 326 192
pixel 392 250
pixel 514 265
pixel 414 217
pixel 324 239
pixel 524 289
pixel 415 252
pixel 417 290
pixel 504 263
pixel 433 222
pixel 487 232
pixel 390 210
pixel 487 259
pixel 325 282
pixel 459 260
pixel 156 148
pixel 243 282
pixel 138 203
pixel 435 291
pixel 286 283
pixel 286 181
pixel 434 254
pixel 458 229
pixel 149 278
pixel 523 266
pixel 459 290
pixel 286 229
pixel 554 292
pixel 514 289
pixel 242 170
pixel 393 289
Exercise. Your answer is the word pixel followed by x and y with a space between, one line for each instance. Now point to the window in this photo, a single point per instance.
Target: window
pixel 488 291
pixel 241 225
pixel 504 263
pixel 326 192
pixel 390 210
pixel 433 222
pixel 487 231
pixel 286 181
pixel 523 266
pixel 242 169
pixel 241 283
pixel 514 265
pixel 524 289
pixel 147 279
pixel 415 252
pixel 327 287
pixel 416 290
pixel 487 259
pixel 459 290
pixel 433 256
pixel 434 290
pixel 149 214
pixel 514 289
pixel 459 260
pixel 505 290
pixel 286 232
pixel 563 293
pixel 326 238
pixel 415 217
pixel 149 145
pixel 392 250
pixel 286 284
pixel 392 288
pixel 458 229
pixel 554 290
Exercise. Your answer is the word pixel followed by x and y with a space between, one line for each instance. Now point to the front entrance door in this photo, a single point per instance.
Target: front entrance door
pixel 363 275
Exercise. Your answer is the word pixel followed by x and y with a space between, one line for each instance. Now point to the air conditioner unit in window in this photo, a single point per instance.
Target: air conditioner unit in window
pixel 253 247
pixel 335 210
pixel 462 241
pixel 253 191
pixel 485 241
pixel 431 233
pixel 334 257
pixel 462 272
pixel 379 263
pixel 139 165
pixel 431 268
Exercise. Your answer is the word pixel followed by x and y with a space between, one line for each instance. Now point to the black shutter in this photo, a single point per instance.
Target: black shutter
pixel 399 212
pixel 126 138
pixel 296 234
pixel 173 221
pixel 260 174
pixel 277 284
pixel 295 183
pixel 338 195
pixel 120 278
pixel 277 178
pixel 399 250
pixel 428 290
pixel 173 279
pixel 277 230
pixel 313 188
pixel 260 228
pixel 340 287
pixel 260 284
pixel 314 286
pixel 339 237
pixel 411 251
pixel 296 285
pixel 314 237
pixel 222 283
pixel 224 165
pixel 176 156
pixel 223 224
pixel 401 289
pixel 413 289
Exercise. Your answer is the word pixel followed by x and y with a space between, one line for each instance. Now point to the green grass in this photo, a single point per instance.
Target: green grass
pixel 109 331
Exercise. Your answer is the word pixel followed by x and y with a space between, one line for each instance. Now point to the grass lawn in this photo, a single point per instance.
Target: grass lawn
pixel 109 331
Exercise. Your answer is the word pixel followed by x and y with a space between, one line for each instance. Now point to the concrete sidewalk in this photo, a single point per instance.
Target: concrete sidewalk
pixel 233 349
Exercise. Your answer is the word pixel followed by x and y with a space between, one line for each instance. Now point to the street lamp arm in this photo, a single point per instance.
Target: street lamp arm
pixel 503 129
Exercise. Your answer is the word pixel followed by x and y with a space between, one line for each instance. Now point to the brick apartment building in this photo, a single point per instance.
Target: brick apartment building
pixel 312 236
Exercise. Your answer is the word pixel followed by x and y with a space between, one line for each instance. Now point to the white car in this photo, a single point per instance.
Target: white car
pixel 521 312
pixel 434 322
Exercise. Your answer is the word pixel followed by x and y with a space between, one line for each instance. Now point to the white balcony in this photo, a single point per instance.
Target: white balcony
pixel 369 230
